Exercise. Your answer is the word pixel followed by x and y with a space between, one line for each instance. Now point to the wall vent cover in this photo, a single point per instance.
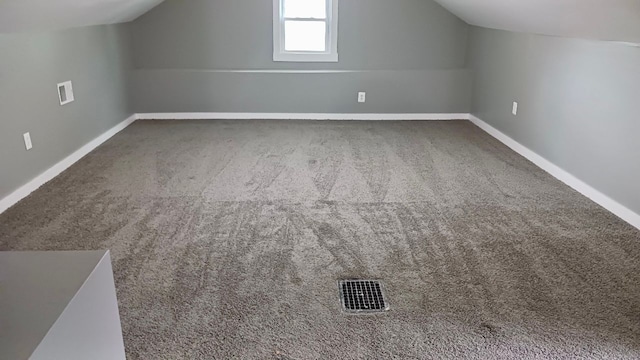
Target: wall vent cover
pixel 362 296
pixel 65 92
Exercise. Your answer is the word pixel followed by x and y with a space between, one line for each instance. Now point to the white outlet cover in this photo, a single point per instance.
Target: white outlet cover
pixel 514 110
pixel 27 141
pixel 362 97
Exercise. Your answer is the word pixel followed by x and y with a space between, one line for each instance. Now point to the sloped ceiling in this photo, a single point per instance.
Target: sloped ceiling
pixel 35 15
pixel 614 20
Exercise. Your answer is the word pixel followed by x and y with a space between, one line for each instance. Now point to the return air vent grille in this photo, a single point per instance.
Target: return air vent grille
pixel 362 296
pixel 65 93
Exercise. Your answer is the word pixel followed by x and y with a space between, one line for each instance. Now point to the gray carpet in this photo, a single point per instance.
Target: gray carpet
pixel 228 238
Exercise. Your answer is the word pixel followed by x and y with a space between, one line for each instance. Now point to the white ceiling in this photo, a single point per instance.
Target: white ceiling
pixel 615 20
pixel 34 15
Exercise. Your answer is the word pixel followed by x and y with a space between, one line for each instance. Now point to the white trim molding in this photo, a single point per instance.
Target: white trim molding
pixel 598 197
pixel 330 54
pixel 61 166
pixel 298 116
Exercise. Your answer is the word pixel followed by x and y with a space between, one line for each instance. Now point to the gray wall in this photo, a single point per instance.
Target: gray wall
pixel 96 59
pixel 409 55
pixel 578 103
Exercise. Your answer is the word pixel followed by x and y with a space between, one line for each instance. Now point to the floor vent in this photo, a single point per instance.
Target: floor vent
pixel 362 296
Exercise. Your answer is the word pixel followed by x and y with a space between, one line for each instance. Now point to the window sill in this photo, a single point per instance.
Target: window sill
pixel 301 57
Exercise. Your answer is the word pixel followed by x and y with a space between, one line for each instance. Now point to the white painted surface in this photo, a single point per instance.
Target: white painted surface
pixel 27 141
pixel 55 170
pixel 603 200
pixel 36 289
pixel 613 20
pixel 89 327
pixel 65 92
pixel 37 15
pixel 279 52
pixel 297 116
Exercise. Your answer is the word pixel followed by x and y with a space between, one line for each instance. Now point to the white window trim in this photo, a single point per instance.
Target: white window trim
pixel 279 53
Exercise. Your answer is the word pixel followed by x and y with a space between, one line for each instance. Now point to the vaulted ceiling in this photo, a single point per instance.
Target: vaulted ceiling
pixel 615 20
pixel 35 15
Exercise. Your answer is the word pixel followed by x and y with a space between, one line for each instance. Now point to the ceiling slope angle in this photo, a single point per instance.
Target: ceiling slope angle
pixel 610 20
pixel 39 15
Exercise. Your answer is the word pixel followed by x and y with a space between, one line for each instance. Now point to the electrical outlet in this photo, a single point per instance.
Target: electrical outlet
pixel 27 141
pixel 514 109
pixel 362 97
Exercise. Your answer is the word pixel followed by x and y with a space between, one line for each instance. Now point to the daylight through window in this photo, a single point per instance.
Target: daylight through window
pixel 305 30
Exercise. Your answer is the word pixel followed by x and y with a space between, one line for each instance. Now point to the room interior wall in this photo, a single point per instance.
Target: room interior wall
pixel 216 56
pixel 576 96
pixel 577 103
pixel 96 59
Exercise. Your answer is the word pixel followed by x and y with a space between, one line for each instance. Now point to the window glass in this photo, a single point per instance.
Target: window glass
pixel 305 35
pixel 316 9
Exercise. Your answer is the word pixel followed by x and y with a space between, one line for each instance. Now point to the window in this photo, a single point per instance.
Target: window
pixel 305 30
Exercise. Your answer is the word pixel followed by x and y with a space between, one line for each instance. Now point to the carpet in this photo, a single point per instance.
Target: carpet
pixel 228 239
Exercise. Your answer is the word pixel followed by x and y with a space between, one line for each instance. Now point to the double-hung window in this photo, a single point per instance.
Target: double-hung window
pixel 305 30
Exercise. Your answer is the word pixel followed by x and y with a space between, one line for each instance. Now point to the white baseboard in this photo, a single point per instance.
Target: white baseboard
pixel 297 116
pixel 603 200
pixel 61 166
